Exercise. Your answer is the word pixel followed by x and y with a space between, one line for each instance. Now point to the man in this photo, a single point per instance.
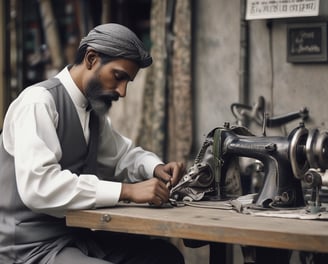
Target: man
pixel 51 161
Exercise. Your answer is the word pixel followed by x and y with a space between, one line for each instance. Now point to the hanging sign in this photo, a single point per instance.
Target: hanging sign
pixel 267 9
pixel 307 42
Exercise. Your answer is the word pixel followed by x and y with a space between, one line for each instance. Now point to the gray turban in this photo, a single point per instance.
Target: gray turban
pixel 117 41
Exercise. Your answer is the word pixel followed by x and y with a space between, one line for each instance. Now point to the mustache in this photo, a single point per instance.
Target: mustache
pixel 107 97
pixel 100 96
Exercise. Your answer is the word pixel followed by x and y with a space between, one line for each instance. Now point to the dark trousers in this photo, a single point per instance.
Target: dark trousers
pixel 123 249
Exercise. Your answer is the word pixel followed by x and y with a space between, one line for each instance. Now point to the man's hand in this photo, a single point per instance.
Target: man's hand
pixel 156 190
pixel 153 191
pixel 170 173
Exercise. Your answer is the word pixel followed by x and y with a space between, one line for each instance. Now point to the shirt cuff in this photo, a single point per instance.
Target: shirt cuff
pixel 108 193
pixel 150 166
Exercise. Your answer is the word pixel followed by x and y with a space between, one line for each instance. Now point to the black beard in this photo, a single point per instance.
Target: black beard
pixel 100 102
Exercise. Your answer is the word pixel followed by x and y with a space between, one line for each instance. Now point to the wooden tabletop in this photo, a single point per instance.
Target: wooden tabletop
pixel 206 224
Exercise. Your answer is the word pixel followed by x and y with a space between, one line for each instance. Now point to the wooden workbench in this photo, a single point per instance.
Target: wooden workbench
pixel 206 224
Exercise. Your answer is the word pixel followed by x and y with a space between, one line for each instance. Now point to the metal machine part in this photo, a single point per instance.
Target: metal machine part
pixel 199 180
pixel 196 183
pixel 316 180
pixel 256 113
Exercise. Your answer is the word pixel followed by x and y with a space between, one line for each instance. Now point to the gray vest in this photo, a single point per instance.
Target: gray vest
pixel 18 224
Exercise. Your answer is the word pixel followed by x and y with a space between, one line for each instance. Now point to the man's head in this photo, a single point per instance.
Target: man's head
pixel 111 56
pixel 108 82
pixel 115 41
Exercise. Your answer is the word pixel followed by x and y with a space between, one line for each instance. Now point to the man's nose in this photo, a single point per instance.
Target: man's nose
pixel 121 89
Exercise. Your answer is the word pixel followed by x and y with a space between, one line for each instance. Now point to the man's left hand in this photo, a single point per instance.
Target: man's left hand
pixel 170 173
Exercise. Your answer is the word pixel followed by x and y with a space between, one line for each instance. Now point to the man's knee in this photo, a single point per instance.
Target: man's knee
pixel 73 255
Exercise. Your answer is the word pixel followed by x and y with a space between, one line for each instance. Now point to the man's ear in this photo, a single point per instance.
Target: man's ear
pixel 90 58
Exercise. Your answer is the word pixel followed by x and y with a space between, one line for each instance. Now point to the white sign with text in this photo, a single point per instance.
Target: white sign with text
pixel 266 9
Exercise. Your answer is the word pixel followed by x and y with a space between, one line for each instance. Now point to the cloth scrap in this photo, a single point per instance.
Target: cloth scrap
pixel 244 204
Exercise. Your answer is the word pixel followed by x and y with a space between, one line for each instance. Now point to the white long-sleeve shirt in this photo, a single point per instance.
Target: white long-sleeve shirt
pixel 29 135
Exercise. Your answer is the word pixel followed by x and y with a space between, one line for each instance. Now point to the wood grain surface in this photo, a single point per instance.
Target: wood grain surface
pixel 206 224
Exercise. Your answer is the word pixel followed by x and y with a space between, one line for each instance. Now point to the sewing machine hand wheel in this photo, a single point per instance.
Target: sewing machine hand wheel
pixel 297 156
pixel 308 149
pixel 316 149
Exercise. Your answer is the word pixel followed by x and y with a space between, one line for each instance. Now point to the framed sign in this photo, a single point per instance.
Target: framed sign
pixel 307 42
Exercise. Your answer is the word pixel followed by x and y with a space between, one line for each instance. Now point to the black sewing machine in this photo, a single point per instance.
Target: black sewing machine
pixel 287 161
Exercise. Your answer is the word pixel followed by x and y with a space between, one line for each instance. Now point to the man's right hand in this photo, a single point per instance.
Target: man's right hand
pixel 153 191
